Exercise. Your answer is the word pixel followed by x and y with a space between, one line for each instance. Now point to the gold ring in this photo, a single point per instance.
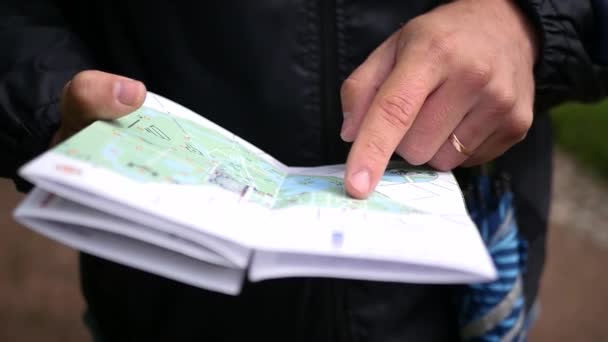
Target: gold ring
pixel 459 146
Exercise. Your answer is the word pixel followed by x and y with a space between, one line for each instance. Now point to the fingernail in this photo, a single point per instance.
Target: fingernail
pixel 360 181
pixel 127 91
pixel 345 132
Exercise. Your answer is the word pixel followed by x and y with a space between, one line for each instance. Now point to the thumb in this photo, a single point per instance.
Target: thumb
pixel 94 95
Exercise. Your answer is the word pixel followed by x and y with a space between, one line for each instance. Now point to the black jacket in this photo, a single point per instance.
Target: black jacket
pixel 270 72
pixel 600 52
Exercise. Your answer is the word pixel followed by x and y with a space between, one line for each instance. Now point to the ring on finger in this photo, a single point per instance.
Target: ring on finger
pixel 459 146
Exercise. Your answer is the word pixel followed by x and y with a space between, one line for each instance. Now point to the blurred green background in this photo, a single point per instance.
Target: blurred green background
pixel 582 130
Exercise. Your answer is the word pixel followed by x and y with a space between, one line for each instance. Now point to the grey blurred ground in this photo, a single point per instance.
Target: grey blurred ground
pixel 40 298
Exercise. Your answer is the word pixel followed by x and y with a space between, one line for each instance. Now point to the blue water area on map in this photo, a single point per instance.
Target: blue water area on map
pixel 328 191
pixel 297 184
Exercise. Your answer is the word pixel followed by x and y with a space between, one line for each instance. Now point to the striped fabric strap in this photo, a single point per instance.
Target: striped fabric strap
pixel 497 314
pixel 495 311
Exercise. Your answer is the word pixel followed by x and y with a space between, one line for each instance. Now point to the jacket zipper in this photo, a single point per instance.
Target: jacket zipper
pixel 333 147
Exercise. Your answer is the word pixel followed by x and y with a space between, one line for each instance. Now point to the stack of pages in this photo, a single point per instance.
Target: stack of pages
pixel 166 191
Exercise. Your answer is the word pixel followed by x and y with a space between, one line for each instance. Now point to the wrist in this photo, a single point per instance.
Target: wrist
pixel 527 22
pixel 520 23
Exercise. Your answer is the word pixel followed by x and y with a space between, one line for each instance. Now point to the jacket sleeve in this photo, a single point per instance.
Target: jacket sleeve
pixel 600 7
pixel 567 36
pixel 39 55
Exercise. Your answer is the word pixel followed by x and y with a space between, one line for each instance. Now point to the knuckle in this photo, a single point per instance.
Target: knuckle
pixel 415 154
pixel 441 44
pixel 477 75
pixel 349 87
pixel 415 24
pixel 376 148
pixel 398 111
pixel 80 86
pixel 504 100
pixel 518 126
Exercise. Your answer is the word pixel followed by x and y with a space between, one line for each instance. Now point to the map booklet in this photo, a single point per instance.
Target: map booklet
pixel 166 191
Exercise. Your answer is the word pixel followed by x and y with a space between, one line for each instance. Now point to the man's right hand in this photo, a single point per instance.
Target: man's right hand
pixel 94 95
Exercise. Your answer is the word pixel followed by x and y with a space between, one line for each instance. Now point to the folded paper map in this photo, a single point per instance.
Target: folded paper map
pixel 166 191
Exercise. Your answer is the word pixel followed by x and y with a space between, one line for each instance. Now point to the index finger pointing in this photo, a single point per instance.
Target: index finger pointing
pixel 390 116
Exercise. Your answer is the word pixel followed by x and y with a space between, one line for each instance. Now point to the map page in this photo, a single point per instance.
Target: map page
pixel 151 146
pixel 169 168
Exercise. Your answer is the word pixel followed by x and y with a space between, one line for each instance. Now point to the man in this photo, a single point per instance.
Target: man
pixel 445 84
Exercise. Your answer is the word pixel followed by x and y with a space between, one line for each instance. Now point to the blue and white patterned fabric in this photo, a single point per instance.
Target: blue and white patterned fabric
pixel 495 311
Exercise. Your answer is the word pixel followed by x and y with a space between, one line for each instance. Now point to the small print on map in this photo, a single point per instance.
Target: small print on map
pixel 150 146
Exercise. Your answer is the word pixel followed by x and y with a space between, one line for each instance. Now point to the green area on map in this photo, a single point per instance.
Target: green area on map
pixel 152 146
